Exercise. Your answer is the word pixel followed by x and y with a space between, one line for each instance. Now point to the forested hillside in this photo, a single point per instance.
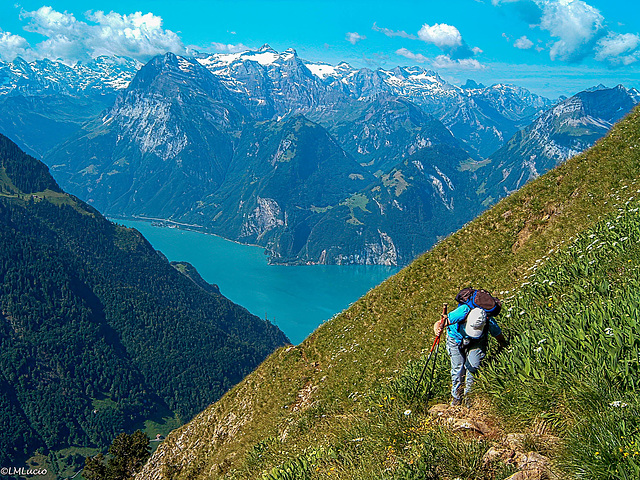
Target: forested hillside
pixel 98 332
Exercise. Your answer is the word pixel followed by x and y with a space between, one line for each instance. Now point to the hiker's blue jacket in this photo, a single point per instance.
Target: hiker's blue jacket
pixel 455 330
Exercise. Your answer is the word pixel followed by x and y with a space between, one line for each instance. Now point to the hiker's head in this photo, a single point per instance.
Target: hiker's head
pixel 476 320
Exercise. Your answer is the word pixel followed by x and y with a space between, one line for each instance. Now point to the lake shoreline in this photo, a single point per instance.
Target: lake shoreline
pixel 296 298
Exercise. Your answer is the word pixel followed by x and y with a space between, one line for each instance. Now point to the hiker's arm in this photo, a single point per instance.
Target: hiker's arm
pixel 496 332
pixel 458 315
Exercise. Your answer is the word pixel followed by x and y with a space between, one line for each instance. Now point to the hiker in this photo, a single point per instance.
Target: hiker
pixel 468 329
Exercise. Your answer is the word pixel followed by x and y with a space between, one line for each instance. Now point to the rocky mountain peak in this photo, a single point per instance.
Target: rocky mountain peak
pixel 266 48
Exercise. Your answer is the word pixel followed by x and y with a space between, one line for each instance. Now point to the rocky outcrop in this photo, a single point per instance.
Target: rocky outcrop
pixel 511 449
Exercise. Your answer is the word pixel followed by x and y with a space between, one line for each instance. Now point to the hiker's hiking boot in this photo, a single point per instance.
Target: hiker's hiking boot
pixel 456 402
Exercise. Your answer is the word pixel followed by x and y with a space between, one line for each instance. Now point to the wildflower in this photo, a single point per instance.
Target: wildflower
pixel 608 331
pixel 407 413
pixel 618 404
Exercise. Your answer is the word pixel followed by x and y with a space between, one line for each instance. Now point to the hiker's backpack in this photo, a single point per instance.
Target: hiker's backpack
pixel 479 299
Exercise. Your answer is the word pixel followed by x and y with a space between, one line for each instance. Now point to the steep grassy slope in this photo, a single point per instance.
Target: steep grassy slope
pixel 334 405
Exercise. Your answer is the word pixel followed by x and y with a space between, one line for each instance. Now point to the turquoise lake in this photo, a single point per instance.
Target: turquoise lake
pixel 296 298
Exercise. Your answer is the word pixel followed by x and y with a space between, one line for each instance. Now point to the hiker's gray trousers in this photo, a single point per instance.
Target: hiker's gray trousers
pixel 465 362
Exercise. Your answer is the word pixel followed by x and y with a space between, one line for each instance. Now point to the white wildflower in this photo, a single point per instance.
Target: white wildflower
pixel 407 412
pixel 618 404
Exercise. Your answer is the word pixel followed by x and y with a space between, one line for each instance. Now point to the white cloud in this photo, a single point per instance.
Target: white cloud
pixel 578 31
pixel 446 62
pixel 441 35
pixel 227 47
pixel 137 35
pixel 393 33
pixel 523 43
pixel 12 46
pixel 618 49
pixel 417 57
pixel 354 37
pixel 448 39
pixel 576 24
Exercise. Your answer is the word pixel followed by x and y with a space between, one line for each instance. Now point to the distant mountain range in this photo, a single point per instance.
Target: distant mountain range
pixel 565 130
pixel 317 163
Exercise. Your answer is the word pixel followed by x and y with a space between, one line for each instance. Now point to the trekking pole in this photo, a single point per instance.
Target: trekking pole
pixel 436 345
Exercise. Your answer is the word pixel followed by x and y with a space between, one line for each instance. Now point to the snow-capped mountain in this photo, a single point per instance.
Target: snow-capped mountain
pixel 43 102
pixel 166 142
pixel 272 85
pixel 179 144
pixel 103 75
pixel 275 84
pixel 317 163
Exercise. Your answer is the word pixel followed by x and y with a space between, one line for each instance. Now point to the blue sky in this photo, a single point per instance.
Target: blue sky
pixel 552 47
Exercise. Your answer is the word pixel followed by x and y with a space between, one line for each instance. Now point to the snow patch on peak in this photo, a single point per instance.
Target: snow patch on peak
pixel 185 65
pixel 265 58
pixel 321 70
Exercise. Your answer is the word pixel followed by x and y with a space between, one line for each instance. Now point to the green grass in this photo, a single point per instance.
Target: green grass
pixel 396 181
pixel 472 165
pixel 355 201
pixel 343 391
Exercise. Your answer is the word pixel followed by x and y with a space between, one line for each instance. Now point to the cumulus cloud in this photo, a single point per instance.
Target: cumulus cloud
pixel 618 49
pixel 12 46
pixel 448 39
pixel 354 37
pixel 578 31
pixel 523 43
pixel 416 57
pixel 137 35
pixel 393 33
pixel 446 62
pixel 441 35
pixel 576 24
pixel 442 61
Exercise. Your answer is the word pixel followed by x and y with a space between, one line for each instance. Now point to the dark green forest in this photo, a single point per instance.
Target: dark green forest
pixel 97 330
